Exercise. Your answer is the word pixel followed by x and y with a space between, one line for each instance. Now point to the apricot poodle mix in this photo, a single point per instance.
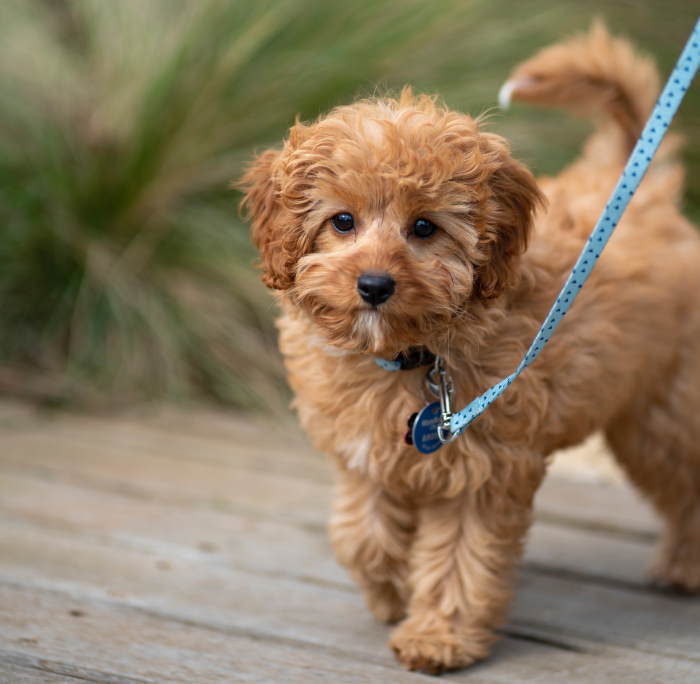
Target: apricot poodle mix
pixel 390 225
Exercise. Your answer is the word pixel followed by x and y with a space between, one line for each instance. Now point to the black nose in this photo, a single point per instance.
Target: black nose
pixel 375 287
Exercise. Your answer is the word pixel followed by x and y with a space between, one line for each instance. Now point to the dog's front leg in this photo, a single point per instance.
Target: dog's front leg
pixel 371 533
pixel 461 573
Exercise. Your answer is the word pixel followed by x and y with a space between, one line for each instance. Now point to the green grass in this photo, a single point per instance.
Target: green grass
pixel 125 272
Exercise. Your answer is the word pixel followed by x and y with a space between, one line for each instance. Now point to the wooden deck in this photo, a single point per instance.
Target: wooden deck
pixel 191 547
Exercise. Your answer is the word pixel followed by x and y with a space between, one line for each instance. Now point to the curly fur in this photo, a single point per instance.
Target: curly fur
pixel 433 540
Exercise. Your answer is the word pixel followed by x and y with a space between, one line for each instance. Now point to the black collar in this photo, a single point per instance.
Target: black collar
pixel 414 357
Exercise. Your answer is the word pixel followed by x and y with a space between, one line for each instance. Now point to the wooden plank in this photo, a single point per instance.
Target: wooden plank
pixel 598 505
pixel 188 589
pixel 33 672
pixel 103 640
pixel 242 442
pixel 155 476
pixel 172 532
pixel 177 472
pixel 613 666
pixel 260 447
pixel 255 544
pixel 18 417
pixel 194 433
pixel 556 606
pixel 562 609
pixel 589 556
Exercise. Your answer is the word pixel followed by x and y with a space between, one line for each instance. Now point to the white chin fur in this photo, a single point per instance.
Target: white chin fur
pixel 505 94
pixel 368 326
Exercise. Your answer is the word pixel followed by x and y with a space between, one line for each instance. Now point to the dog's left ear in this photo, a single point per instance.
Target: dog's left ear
pixel 512 199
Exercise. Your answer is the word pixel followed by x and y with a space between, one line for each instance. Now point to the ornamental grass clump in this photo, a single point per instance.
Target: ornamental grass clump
pixel 125 271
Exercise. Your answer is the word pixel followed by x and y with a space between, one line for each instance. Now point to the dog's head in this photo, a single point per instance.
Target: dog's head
pixel 387 219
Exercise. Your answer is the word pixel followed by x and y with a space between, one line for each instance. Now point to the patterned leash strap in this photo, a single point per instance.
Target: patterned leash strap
pixel 637 165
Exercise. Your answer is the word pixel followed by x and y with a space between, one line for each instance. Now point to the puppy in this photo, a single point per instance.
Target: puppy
pixel 396 225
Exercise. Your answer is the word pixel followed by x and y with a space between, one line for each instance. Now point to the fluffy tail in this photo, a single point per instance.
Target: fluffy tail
pixel 590 74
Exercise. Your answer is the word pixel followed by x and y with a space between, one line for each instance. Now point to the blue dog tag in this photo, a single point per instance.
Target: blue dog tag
pixel 424 431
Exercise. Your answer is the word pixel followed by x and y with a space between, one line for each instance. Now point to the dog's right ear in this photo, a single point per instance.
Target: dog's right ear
pixel 261 203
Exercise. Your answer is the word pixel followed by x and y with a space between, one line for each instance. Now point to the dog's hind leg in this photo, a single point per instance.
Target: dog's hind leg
pixel 657 442
pixel 371 533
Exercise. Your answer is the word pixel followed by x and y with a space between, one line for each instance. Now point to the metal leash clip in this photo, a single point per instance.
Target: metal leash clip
pixel 440 385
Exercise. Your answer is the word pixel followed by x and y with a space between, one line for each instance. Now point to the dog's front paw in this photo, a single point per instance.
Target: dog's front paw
pixel 434 646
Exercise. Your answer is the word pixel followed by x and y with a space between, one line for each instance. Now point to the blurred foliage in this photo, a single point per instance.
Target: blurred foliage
pixel 125 271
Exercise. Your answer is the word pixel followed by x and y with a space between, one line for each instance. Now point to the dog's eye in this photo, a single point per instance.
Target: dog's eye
pixel 423 228
pixel 343 222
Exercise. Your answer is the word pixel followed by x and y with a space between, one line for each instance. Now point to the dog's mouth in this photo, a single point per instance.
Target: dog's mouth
pixel 363 329
pixel 379 331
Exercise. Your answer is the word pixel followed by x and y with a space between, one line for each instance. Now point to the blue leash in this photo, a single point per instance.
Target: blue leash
pixel 427 433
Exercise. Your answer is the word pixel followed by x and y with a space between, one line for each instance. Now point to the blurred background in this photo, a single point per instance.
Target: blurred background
pixel 126 274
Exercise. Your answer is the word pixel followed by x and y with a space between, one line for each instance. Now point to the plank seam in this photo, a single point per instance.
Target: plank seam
pixel 63 669
pixel 611 530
